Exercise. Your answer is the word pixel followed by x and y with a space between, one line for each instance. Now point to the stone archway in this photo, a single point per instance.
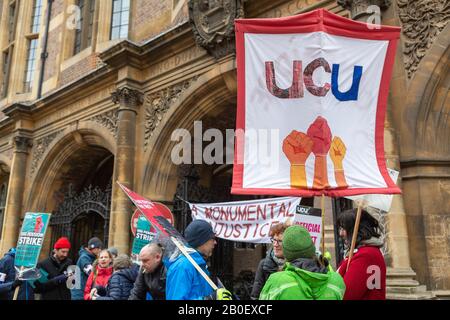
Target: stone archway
pixel 211 94
pixel 74 181
pixel 424 124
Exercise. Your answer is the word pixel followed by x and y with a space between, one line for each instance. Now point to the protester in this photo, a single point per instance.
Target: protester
pixel 122 280
pixel 98 279
pixel 7 288
pixel 113 252
pixel 184 282
pixel 367 257
pixel 86 258
pixel 8 281
pixel 53 283
pixel 303 276
pixel 273 261
pixel 152 274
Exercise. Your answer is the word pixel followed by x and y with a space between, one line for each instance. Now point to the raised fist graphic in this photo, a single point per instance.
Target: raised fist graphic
pixel 320 134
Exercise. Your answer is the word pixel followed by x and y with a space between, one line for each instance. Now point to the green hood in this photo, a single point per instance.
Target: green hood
pixel 304 279
pixel 312 282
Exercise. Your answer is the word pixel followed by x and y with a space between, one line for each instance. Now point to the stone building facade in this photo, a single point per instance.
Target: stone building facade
pixel 91 92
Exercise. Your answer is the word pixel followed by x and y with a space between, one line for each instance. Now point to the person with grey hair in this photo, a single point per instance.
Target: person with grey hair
pixel 113 252
pixel 122 280
pixel 152 274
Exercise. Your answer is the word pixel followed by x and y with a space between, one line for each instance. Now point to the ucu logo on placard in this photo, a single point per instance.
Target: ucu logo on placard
pixel 306 77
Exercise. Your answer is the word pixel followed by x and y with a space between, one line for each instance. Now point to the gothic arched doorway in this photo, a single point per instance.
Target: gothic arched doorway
pixel 84 203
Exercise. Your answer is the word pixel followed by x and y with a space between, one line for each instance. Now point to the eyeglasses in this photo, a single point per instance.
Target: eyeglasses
pixel 276 241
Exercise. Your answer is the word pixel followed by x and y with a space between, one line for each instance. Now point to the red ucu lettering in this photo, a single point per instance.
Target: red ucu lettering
pixel 306 77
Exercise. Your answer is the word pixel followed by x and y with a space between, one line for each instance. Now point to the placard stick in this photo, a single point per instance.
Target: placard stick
pixel 16 291
pixel 323 224
pixel 355 234
pixel 188 256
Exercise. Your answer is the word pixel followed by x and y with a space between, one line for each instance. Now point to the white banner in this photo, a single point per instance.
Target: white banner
pixel 312 93
pixel 250 221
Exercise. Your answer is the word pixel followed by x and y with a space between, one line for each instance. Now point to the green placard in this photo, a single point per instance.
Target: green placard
pixel 143 235
pixel 31 238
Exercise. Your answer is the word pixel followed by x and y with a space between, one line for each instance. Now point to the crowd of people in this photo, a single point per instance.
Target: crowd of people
pixel 291 270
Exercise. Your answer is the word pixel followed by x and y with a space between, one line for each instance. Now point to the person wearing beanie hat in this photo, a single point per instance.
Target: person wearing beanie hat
pixel 86 258
pixel 114 252
pixel 62 243
pixel 95 243
pixel 52 284
pixel 297 243
pixel 184 282
pixel 200 235
pixel 303 276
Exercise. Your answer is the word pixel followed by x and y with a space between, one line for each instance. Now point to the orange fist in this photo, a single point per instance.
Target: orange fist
pixel 337 152
pixel 297 147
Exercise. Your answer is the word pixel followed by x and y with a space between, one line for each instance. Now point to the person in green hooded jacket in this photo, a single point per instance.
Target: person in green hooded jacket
pixel 303 276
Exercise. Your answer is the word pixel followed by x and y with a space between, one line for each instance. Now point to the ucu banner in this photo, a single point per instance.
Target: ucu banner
pixel 298 77
pixel 317 85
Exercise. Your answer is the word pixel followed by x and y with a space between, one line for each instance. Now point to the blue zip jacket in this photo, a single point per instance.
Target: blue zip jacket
pixel 8 273
pixel 184 282
pixel 85 259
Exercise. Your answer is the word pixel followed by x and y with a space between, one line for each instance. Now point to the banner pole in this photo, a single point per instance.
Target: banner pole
pixel 323 224
pixel 188 256
pixel 355 234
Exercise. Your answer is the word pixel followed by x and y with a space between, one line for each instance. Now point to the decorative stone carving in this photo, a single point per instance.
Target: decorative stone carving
pixel 108 120
pixel 358 8
pixel 422 21
pixel 4 170
pixel 157 104
pixel 22 144
pixel 39 149
pixel 127 97
pixel 212 22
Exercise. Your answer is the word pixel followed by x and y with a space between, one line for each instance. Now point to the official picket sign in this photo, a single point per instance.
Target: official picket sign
pixel 143 234
pixel 250 221
pixel 31 238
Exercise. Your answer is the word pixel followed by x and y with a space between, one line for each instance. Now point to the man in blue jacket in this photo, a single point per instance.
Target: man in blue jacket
pixel 184 282
pixel 86 258
pixel 8 280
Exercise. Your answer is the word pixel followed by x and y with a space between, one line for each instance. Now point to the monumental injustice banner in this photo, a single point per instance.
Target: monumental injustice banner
pixel 30 240
pixel 250 221
pixel 312 93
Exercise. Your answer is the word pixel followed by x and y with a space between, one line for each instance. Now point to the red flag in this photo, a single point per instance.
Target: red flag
pixel 152 213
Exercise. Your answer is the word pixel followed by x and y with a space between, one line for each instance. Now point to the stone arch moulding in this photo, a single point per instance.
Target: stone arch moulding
pixel 73 138
pixel 421 95
pixel 211 90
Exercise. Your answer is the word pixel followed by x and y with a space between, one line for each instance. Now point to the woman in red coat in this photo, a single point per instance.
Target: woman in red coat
pixel 365 278
pixel 98 279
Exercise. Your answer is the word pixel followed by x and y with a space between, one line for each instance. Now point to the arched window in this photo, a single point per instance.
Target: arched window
pixel 3 190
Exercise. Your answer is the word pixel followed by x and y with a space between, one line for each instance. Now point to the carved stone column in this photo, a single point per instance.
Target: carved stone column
pixel 13 211
pixel 129 100
pixel 358 8
pixel 400 276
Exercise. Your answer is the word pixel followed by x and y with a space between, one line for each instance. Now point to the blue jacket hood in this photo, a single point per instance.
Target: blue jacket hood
pixel 184 282
pixel 84 252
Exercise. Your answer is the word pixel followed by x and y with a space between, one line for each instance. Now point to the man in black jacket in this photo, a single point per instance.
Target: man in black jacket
pixel 55 270
pixel 152 274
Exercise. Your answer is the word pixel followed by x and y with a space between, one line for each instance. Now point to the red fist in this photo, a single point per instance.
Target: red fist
pixel 320 134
